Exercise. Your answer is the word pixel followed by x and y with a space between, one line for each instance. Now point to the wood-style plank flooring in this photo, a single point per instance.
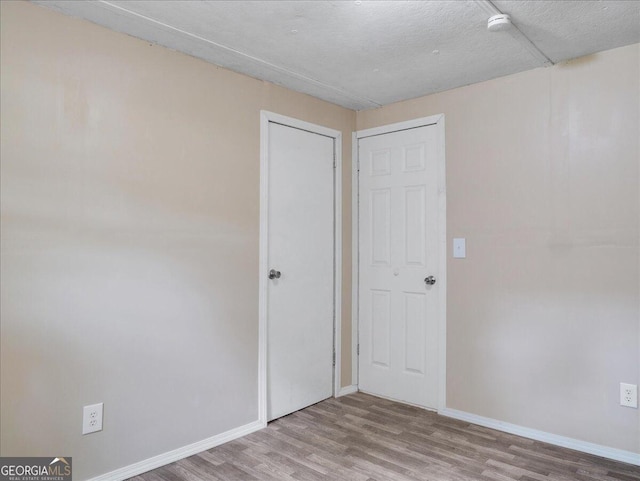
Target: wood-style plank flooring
pixel 365 438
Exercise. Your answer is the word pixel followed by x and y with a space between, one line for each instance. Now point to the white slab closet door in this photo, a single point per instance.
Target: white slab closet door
pixel 300 299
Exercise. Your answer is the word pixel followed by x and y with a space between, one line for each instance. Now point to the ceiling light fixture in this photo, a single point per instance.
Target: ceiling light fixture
pixel 499 22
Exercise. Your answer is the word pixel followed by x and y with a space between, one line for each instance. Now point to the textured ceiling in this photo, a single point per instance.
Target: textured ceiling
pixel 362 54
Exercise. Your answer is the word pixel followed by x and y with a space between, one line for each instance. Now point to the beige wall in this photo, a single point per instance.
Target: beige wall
pixel 130 190
pixel 130 241
pixel 542 180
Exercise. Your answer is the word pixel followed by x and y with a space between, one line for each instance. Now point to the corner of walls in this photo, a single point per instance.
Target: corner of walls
pixel 125 221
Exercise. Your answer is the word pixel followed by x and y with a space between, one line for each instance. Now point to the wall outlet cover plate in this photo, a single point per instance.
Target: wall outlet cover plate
pixel 92 418
pixel 629 395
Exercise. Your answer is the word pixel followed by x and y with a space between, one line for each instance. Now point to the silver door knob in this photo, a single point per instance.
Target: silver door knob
pixel 274 274
pixel 430 280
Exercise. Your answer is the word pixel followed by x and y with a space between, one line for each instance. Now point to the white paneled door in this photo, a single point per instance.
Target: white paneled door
pixel 398 244
pixel 300 299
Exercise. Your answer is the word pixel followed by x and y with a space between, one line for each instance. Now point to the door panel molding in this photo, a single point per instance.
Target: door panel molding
pixel 357 164
pixel 266 118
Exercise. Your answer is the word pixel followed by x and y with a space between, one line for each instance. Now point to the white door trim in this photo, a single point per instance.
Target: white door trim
pixel 265 118
pixel 355 257
pixel 437 120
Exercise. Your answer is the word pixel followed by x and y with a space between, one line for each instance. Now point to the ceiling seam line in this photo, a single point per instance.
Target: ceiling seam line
pixel 291 73
pixel 517 34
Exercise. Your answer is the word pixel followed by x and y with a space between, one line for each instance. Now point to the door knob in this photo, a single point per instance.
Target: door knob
pixel 274 274
pixel 430 280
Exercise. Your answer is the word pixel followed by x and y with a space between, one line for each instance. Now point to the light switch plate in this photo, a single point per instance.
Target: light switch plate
pixel 459 247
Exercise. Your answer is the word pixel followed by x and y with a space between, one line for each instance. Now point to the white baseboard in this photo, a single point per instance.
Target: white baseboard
pixel 347 390
pixel 180 453
pixel 584 446
pixel 195 448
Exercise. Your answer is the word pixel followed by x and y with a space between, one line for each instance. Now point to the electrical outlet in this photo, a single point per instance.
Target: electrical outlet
pixel 92 418
pixel 629 395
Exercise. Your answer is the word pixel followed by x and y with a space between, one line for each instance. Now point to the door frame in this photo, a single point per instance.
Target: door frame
pixel 265 118
pixel 438 121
